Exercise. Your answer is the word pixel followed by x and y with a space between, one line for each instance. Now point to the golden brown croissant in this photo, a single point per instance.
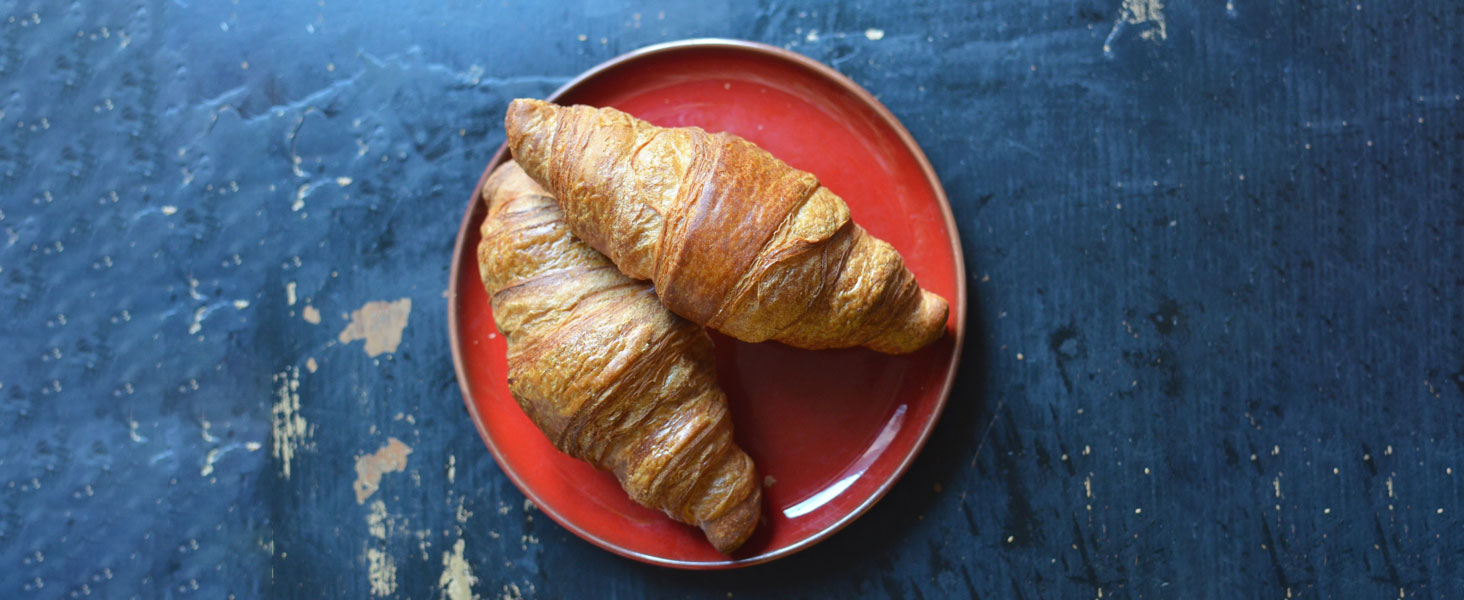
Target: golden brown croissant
pixel 733 238
pixel 608 374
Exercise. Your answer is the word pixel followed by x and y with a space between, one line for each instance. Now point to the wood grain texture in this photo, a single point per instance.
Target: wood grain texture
pixel 1215 324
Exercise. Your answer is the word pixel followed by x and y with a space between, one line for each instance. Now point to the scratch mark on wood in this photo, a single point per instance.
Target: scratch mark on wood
pixel 996 414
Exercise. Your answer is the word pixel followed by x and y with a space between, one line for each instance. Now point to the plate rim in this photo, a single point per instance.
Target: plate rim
pixel 953 234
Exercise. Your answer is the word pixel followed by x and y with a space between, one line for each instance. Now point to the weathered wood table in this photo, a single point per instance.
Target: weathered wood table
pixel 1216 259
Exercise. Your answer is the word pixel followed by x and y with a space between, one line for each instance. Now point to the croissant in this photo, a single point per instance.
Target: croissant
pixel 732 237
pixel 606 372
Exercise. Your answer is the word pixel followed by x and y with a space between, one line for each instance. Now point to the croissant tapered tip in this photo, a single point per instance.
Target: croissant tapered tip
pixel 529 133
pixel 728 532
pixel 526 106
pixel 920 327
pixel 524 113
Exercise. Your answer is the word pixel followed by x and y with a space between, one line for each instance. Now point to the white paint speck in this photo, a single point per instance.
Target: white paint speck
pixel 300 197
pixel 197 324
pixel 208 462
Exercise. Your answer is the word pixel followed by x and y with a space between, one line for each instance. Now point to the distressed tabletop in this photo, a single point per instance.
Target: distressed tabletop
pixel 1215 325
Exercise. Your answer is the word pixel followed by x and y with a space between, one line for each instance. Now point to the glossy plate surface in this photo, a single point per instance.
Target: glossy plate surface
pixel 831 431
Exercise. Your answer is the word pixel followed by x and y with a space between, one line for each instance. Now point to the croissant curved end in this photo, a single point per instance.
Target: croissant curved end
pixel 919 327
pixel 530 144
pixel 728 532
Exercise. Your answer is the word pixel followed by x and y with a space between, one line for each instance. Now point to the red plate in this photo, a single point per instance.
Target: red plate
pixel 831 430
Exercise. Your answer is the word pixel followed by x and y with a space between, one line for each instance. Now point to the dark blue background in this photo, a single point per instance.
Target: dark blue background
pixel 1217 296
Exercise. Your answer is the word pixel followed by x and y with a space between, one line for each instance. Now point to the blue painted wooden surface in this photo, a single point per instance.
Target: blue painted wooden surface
pixel 1215 259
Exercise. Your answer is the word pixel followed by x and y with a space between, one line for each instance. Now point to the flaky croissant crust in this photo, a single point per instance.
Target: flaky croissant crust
pixel 606 372
pixel 733 238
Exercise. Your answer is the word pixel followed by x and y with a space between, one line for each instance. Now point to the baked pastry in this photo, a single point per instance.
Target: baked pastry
pixel 606 372
pixel 732 237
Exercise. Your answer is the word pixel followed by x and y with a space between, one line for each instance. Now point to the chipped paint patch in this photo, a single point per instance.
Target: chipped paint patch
pixel 463 514
pixel 380 572
pixel 376 520
pixel 457 577
pixel 311 315
pixel 310 364
pixel 391 458
pixel 288 428
pixel 424 542
pixel 873 34
pixel 290 293
pixel 451 468
pixel 380 567
pixel 380 323
pixel 511 591
pixel 1139 12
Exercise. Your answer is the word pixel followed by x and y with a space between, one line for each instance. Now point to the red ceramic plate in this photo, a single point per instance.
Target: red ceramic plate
pixel 830 430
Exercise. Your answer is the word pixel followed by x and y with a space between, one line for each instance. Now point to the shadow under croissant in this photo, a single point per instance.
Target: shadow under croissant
pixel 865 546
